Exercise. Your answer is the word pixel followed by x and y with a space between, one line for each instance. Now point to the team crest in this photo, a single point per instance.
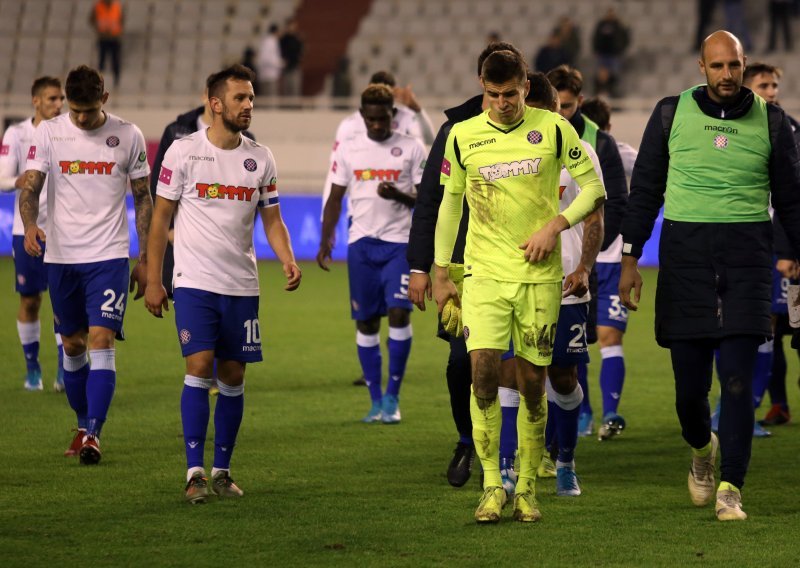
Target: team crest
pixel 250 165
pixel 534 137
pixel 720 141
pixel 112 141
pixel 185 336
pixel 396 151
pixel 21 279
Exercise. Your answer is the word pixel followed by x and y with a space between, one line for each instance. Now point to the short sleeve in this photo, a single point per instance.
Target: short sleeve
pixel 453 175
pixel 9 152
pixel 137 161
pixel 573 156
pixel 418 158
pixel 171 176
pixel 340 170
pixel 39 151
pixel 268 192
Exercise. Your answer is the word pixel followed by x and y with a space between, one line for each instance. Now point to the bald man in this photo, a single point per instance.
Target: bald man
pixel 714 156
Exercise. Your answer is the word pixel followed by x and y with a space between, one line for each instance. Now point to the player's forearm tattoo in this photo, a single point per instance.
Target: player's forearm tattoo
pixel 143 207
pixel 29 197
pixel 592 238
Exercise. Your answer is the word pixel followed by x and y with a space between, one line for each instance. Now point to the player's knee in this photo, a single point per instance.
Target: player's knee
pixel 370 326
pixel 200 364
pixel 399 317
pixel 30 306
pixel 563 379
pixel 609 336
pixel 74 345
pixel 231 373
pixel 485 373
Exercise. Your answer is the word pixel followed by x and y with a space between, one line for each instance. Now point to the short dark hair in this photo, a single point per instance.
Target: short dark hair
pixel 216 81
pixel 377 94
pixel 496 46
pixel 383 78
pixel 541 94
pixel 754 69
pixel 42 83
pixel 84 85
pixel 566 78
pixel 502 66
pixel 598 110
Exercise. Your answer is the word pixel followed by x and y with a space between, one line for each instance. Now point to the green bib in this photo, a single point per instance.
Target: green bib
pixel 590 132
pixel 718 169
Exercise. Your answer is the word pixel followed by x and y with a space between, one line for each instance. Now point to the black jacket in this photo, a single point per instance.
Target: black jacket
pixel 430 193
pixel 714 278
pixel 614 180
pixel 783 248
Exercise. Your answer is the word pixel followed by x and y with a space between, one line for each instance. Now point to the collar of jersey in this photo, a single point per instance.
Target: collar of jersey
pixel 504 131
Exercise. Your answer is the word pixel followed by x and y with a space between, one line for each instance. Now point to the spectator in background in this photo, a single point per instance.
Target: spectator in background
pixel 107 20
pixel 705 11
pixel 610 40
pixel 780 13
pixel 249 61
pixel 570 37
pixel 292 53
pixel 552 54
pixel 269 63
pixel 492 37
pixel 736 22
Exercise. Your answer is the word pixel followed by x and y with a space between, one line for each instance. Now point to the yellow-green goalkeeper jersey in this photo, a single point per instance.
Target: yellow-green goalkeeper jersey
pixel 510 174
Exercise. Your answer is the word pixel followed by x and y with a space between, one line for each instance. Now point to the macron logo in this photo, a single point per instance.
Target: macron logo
pixel 165 176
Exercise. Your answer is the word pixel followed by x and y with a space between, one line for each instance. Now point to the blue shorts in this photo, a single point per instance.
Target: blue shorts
pixel 89 294
pixel 30 270
pixel 226 325
pixel 610 311
pixel 379 274
pixel 780 286
pixel 571 347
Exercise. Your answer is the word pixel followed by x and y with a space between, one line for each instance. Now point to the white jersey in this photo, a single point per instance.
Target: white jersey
pixel 87 180
pixel 361 164
pixel 572 238
pixel 219 192
pixel 614 251
pixel 406 121
pixel 13 156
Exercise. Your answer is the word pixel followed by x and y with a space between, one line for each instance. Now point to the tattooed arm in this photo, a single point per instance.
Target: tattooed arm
pixel 577 283
pixel 31 187
pixel 143 207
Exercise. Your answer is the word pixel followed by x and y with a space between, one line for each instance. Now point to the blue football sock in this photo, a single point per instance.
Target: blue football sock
pixel 762 374
pixel 565 408
pixel 369 354
pixel 195 411
pixel 29 338
pixel 399 349
pixel 509 408
pixel 100 387
pixel 612 377
pixel 550 435
pixel 583 374
pixel 76 372
pixel 227 419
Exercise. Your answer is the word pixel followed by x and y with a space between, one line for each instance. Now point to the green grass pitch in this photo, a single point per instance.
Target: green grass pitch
pixel 322 489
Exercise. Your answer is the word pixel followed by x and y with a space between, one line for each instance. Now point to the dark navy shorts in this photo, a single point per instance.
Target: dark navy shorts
pixel 571 346
pixel 226 325
pixel 31 271
pixel 610 311
pixel 89 294
pixel 379 274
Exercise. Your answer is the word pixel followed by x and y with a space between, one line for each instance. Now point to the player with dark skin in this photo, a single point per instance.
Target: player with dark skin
pixel 378 119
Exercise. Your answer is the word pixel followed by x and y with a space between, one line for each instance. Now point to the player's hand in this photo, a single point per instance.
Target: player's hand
pixel 444 289
pixel 34 235
pixel 788 268
pixel 630 279
pixel 419 287
pixel 293 276
pixel 405 96
pixel 138 279
pixel 155 298
pixel 577 283
pixel 387 190
pixel 539 246
pixel 324 256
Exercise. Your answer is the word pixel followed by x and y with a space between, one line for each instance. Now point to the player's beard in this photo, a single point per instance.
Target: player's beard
pixel 234 123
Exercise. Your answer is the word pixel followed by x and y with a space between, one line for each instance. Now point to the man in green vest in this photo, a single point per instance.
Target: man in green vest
pixel 714 157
